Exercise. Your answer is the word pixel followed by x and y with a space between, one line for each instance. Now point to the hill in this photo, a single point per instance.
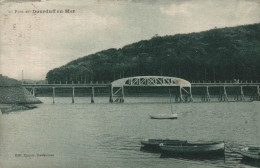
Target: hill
pixel 217 54
pixel 5 81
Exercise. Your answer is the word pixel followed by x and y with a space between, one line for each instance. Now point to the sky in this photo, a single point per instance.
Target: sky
pixel 38 42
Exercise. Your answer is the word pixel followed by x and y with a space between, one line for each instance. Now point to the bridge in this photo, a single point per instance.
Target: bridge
pixel 116 88
pixel 72 86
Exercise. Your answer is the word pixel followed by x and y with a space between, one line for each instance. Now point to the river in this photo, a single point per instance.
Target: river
pixel 108 135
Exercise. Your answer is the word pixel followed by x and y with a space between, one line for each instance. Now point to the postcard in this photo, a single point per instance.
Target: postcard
pixel 129 83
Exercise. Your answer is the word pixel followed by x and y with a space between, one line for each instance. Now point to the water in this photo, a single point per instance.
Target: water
pixel 108 135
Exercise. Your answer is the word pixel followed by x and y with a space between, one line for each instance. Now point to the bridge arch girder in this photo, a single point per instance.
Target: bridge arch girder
pixel 151 81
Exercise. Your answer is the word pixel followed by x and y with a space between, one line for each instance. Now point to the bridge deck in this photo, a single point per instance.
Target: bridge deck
pixel 223 84
pixel 107 85
pixel 65 85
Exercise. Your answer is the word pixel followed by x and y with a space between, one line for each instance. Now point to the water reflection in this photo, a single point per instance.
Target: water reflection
pixel 151 149
pixel 214 159
pixel 229 158
pixel 201 157
pixel 250 162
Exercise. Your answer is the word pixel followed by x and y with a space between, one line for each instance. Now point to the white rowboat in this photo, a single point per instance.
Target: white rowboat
pixel 164 116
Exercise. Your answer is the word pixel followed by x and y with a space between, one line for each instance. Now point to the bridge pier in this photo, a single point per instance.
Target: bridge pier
pixel 223 97
pixel 258 93
pixel 191 98
pixel 119 95
pixel 111 94
pixel 206 96
pixel 242 96
pixel 179 97
pixel 33 91
pixel 53 95
pixel 92 94
pixel 73 89
pixel 123 95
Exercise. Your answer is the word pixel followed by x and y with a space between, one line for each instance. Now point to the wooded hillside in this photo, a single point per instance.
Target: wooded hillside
pixel 217 54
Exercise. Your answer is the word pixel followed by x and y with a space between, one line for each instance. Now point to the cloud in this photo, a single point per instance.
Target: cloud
pixel 45 41
pixel 40 42
pixel 201 15
pixel 177 9
pixel 231 8
pixel 18 1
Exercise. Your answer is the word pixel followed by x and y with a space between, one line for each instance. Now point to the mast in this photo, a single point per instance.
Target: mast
pixel 170 99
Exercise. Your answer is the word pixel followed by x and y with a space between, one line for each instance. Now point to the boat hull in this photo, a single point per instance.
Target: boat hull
pixel 156 142
pixel 163 116
pixel 252 153
pixel 194 149
pixel 152 145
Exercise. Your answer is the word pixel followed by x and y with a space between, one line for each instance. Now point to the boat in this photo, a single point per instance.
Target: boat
pixel 194 148
pixel 252 153
pixel 30 106
pixel 156 142
pixel 152 145
pixel 165 116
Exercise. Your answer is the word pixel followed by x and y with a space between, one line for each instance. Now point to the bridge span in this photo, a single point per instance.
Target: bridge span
pixel 116 88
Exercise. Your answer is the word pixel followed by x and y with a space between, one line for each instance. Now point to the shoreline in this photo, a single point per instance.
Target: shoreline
pixel 7 108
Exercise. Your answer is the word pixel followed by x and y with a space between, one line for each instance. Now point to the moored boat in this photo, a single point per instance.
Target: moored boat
pixel 249 152
pixel 191 148
pixel 164 116
pixel 156 142
pixel 30 106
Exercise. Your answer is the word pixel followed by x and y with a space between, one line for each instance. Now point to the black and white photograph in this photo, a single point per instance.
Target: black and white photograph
pixel 129 83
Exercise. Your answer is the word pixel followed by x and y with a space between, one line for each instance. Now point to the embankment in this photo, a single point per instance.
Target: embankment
pixel 13 96
pixel 16 95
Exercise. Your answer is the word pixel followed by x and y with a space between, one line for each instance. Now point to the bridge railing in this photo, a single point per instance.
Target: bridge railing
pixel 223 81
pixel 67 83
pixel 108 82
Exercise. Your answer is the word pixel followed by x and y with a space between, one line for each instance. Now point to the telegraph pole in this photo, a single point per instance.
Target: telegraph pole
pixel 22 76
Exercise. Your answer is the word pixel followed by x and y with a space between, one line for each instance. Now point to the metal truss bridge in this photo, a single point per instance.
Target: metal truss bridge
pixel 116 88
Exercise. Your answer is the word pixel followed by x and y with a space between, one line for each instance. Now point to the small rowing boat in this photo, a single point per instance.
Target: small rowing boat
pixel 156 142
pixel 164 116
pixel 191 148
pixel 249 152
